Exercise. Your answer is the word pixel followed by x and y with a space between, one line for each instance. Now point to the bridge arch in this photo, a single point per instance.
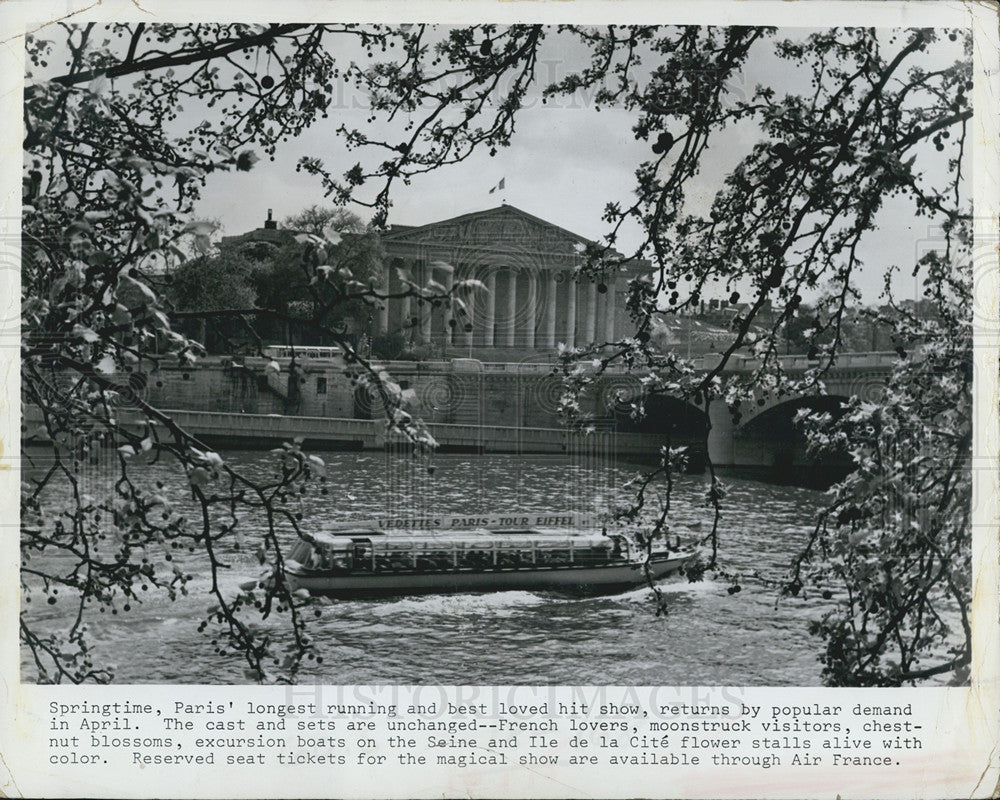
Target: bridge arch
pixel 771 438
pixel 684 423
pixel 777 419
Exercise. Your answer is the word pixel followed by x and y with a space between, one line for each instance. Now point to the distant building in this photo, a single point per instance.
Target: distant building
pixel 532 298
pixel 269 234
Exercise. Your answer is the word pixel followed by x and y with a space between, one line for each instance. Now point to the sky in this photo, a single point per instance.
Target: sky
pixel 562 166
pixel 565 162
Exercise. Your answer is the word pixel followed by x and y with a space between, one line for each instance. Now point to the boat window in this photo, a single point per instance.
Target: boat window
pixel 476 555
pixel 336 558
pixel 434 556
pixel 513 554
pixel 364 555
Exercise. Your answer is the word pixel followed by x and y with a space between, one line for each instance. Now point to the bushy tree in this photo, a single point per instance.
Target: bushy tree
pixel 893 546
pixel 110 184
pixel 316 219
pixel 326 270
pixel 212 283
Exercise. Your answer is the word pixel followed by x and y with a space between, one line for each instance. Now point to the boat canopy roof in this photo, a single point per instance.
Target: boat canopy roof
pixel 473 521
pixel 464 540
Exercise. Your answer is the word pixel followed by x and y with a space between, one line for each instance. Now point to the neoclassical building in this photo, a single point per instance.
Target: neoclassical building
pixel 532 298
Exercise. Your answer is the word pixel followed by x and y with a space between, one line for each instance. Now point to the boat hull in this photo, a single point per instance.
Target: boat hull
pixel 570 579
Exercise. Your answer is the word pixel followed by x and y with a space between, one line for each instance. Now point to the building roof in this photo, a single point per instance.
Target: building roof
pixel 501 228
pixel 497 211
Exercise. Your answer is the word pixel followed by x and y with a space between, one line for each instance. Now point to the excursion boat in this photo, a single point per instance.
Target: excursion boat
pixel 439 555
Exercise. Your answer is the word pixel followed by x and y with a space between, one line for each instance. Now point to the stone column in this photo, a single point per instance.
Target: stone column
pixel 426 319
pixel 490 314
pixel 425 308
pixel 383 311
pixel 589 313
pixel 508 338
pixel 570 310
pixel 599 299
pixel 549 331
pixel 532 308
pixel 448 279
pixel 721 445
pixel 609 311
pixel 404 316
pixel 469 317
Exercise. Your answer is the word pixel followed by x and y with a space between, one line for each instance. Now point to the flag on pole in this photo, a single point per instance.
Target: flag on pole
pixel 498 186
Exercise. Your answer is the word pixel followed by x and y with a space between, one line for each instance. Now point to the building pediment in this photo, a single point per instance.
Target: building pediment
pixel 501 229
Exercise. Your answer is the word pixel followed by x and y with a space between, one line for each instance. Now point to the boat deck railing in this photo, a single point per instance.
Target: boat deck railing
pixel 434 554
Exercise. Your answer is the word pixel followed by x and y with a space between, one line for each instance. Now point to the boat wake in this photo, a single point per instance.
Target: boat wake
pixel 679 588
pixel 492 603
pixel 501 604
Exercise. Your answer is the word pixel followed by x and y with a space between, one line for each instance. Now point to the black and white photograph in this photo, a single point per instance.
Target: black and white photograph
pixel 436 353
pixel 509 354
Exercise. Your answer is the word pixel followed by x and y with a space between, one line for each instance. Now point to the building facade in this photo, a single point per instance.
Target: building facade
pixel 530 296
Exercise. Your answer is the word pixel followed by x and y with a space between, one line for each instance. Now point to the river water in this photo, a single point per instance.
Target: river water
pixel 709 637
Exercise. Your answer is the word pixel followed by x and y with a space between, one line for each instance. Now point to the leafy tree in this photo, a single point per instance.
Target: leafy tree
pixel 212 283
pixel 389 346
pixel 301 273
pixel 110 186
pixel 326 272
pixel 894 544
pixel 317 219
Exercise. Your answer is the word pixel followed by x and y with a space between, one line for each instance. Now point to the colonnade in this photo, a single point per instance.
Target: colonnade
pixel 518 308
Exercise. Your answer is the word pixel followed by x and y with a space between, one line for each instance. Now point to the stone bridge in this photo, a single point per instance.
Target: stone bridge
pixel 508 406
pixel 527 393
pixel 764 433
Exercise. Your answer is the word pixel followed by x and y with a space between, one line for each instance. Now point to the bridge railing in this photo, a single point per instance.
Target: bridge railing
pixel 473 365
pixel 739 363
